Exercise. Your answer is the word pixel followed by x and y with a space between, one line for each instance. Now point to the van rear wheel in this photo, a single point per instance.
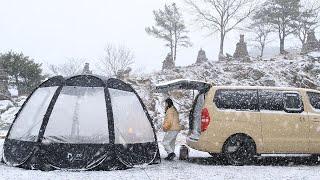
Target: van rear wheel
pixel 239 150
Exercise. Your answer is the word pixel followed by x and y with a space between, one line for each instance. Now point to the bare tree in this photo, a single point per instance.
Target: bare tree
pixel 116 58
pixel 262 32
pixel 308 19
pixel 221 15
pixel 72 66
pixel 170 27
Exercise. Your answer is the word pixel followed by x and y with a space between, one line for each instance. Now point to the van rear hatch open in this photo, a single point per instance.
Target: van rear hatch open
pixel 185 84
pixel 182 84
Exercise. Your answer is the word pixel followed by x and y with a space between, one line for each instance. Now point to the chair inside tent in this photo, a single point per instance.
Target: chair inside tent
pixel 82 123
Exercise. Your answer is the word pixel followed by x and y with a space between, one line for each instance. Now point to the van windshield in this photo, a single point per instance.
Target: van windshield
pixel 314 99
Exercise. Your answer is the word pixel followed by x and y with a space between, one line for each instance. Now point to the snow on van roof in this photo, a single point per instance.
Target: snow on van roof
pixel 269 87
pixel 193 83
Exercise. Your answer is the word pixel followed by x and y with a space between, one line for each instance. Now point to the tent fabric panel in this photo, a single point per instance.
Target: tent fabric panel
pixel 74 120
pixel 31 155
pixel 28 122
pixel 48 113
pixel 85 81
pixel 147 114
pixel 130 120
pixel 77 156
pixel 118 84
pixel 54 81
pixel 16 152
pixel 47 83
pixel 137 153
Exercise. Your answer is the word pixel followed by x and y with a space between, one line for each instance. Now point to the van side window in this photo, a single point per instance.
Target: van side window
pixel 314 99
pixel 238 99
pixel 293 102
pixel 271 100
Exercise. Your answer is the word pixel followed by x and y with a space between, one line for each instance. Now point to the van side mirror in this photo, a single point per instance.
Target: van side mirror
pixel 292 102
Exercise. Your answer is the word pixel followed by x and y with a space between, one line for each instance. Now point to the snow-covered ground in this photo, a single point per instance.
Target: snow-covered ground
pixel 200 166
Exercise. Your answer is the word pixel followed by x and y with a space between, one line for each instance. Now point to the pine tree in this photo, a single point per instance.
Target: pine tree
pixel 23 72
pixel 171 28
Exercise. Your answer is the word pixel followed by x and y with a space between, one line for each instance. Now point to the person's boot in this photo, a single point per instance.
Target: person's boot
pixel 170 157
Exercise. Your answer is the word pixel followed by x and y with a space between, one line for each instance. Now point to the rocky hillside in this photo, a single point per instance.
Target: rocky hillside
pixel 291 70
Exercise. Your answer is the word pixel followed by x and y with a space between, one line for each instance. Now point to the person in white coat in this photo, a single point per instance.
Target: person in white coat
pixel 171 125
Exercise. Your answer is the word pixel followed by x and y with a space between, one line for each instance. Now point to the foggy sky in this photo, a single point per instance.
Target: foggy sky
pixel 50 31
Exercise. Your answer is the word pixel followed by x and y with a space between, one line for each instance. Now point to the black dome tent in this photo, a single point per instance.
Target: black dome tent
pixel 84 122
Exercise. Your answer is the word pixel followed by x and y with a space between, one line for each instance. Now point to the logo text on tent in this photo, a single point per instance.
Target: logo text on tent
pixel 72 158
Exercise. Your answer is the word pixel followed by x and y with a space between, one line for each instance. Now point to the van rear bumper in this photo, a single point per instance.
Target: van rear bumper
pixel 212 147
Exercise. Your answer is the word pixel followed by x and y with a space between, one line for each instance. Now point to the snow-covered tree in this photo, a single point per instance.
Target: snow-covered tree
pixel 171 28
pixel 24 73
pixel 308 19
pixel 282 15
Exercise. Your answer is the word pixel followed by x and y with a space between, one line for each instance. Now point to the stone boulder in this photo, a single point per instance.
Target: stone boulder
pixel 168 62
pixel 201 58
pixel 241 52
pixel 312 44
pixel 86 69
pixel 124 74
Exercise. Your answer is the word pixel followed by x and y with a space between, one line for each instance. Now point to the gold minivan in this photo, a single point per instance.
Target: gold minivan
pixel 243 122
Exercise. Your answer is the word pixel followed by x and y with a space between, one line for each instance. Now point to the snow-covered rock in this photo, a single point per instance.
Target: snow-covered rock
pixel 5 105
pixel 13 92
pixel 7 116
pixel 292 70
pixel 314 54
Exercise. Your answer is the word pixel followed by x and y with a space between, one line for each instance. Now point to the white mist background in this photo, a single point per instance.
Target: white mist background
pixel 52 31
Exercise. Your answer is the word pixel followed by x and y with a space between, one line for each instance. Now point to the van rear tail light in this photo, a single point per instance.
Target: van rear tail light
pixel 205 119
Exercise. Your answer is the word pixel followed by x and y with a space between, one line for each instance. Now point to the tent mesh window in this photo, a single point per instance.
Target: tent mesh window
pixel 130 120
pixel 28 122
pixel 79 122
